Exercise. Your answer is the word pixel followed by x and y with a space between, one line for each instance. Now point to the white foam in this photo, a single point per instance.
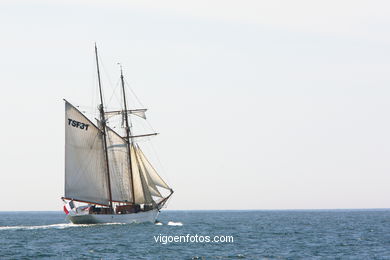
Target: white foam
pixel 54 226
pixel 159 224
pixel 171 223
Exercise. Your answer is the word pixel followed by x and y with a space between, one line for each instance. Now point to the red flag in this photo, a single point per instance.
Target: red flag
pixel 66 210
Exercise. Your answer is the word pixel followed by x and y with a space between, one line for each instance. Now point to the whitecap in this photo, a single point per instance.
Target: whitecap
pixel 171 223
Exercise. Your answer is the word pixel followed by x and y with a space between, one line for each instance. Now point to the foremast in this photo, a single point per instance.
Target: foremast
pixel 103 126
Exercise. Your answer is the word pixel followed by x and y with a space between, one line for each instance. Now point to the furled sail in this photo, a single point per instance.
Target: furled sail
pixel 118 159
pixel 85 169
pixel 137 112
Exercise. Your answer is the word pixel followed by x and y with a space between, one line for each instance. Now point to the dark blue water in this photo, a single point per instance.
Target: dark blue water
pixel 333 234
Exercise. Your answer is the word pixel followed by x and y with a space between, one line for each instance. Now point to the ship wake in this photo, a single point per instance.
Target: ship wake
pixel 53 226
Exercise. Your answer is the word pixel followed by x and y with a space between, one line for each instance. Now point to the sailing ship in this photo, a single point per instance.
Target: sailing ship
pixel 108 178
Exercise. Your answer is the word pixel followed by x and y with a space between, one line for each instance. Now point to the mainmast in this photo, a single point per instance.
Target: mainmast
pixel 128 134
pixel 103 122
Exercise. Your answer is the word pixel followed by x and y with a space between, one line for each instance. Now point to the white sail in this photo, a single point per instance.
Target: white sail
pixel 141 192
pixel 85 169
pixel 150 184
pixel 139 112
pixel 152 173
pixel 119 165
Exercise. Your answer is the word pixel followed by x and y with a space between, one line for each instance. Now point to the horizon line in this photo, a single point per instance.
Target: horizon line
pixel 302 209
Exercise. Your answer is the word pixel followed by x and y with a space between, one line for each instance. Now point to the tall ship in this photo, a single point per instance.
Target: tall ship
pixel 108 178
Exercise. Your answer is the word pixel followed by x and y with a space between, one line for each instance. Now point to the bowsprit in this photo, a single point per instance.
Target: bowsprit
pixel 77 124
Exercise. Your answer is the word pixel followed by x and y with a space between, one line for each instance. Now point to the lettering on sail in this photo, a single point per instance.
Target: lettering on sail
pixel 77 124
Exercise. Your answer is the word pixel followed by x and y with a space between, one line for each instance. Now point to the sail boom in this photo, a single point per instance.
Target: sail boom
pixel 136 136
pixel 90 202
pixel 122 201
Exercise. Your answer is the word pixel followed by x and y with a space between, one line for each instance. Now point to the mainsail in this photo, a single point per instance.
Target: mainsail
pixel 85 170
pixel 118 159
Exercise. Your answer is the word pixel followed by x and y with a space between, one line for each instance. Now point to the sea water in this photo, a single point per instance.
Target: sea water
pixel 284 234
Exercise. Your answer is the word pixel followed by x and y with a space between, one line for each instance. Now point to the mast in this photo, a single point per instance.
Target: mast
pixel 103 122
pixel 128 134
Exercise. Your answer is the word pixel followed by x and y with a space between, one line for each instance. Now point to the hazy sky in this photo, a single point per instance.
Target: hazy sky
pixel 260 104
